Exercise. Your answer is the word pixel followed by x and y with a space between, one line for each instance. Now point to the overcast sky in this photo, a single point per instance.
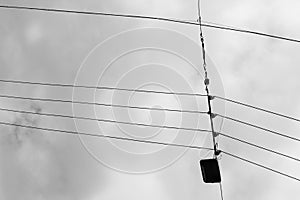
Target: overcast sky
pixel 49 47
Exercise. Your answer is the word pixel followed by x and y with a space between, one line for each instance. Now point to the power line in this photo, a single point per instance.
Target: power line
pixel 262 166
pixel 100 104
pixel 260 147
pixel 103 136
pixel 130 123
pixel 206 83
pixel 258 127
pixel 100 88
pixel 104 120
pixel 258 108
pixel 143 141
pixel 222 27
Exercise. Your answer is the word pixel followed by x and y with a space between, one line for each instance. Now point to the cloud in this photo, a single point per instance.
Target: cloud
pixel 36 167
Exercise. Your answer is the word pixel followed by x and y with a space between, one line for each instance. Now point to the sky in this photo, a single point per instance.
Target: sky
pixel 71 48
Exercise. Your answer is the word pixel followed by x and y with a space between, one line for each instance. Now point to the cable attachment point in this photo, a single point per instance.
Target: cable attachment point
pixel 215 134
pixel 213 115
pixel 218 152
pixel 206 81
pixel 210 97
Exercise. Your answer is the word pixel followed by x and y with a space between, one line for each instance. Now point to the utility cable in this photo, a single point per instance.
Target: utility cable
pixel 221 27
pixel 104 120
pixel 259 127
pixel 259 147
pixel 260 165
pixel 144 141
pixel 130 123
pixel 221 190
pixel 206 83
pixel 103 136
pixel 257 108
pixel 101 104
pixel 100 88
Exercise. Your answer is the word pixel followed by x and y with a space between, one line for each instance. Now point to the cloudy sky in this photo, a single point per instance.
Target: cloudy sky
pixel 62 48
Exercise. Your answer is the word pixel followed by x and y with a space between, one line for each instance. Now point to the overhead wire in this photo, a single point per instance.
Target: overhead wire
pixel 145 141
pixel 221 190
pixel 184 22
pixel 135 140
pixel 223 27
pixel 260 165
pixel 105 120
pixel 258 108
pixel 206 83
pixel 100 88
pixel 147 91
pixel 101 104
pixel 103 136
pixel 155 126
pixel 259 127
pixel 259 147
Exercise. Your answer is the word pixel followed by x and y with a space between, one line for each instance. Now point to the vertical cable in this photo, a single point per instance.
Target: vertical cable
pixel 206 82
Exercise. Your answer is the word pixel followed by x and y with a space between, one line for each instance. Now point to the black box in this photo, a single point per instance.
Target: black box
pixel 210 171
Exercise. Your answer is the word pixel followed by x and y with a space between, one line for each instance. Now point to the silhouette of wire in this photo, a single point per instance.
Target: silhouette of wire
pixel 262 166
pixel 221 190
pixel 145 141
pixel 221 27
pixel 139 124
pixel 258 108
pixel 104 120
pixel 100 88
pixel 103 136
pixel 100 104
pixel 258 127
pixel 260 147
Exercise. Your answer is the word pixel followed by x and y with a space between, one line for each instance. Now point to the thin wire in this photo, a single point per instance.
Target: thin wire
pixel 144 141
pixel 101 104
pixel 104 120
pixel 258 127
pixel 206 82
pixel 221 27
pixel 103 136
pixel 258 108
pixel 202 40
pixel 259 147
pixel 262 166
pixel 221 191
pixel 94 119
pixel 99 87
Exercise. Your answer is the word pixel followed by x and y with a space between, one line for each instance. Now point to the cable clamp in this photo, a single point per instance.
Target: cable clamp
pixel 218 152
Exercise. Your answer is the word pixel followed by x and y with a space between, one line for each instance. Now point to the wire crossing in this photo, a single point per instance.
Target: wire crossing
pixel 146 91
pixel 212 25
pixel 144 141
pixel 206 83
pixel 130 123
